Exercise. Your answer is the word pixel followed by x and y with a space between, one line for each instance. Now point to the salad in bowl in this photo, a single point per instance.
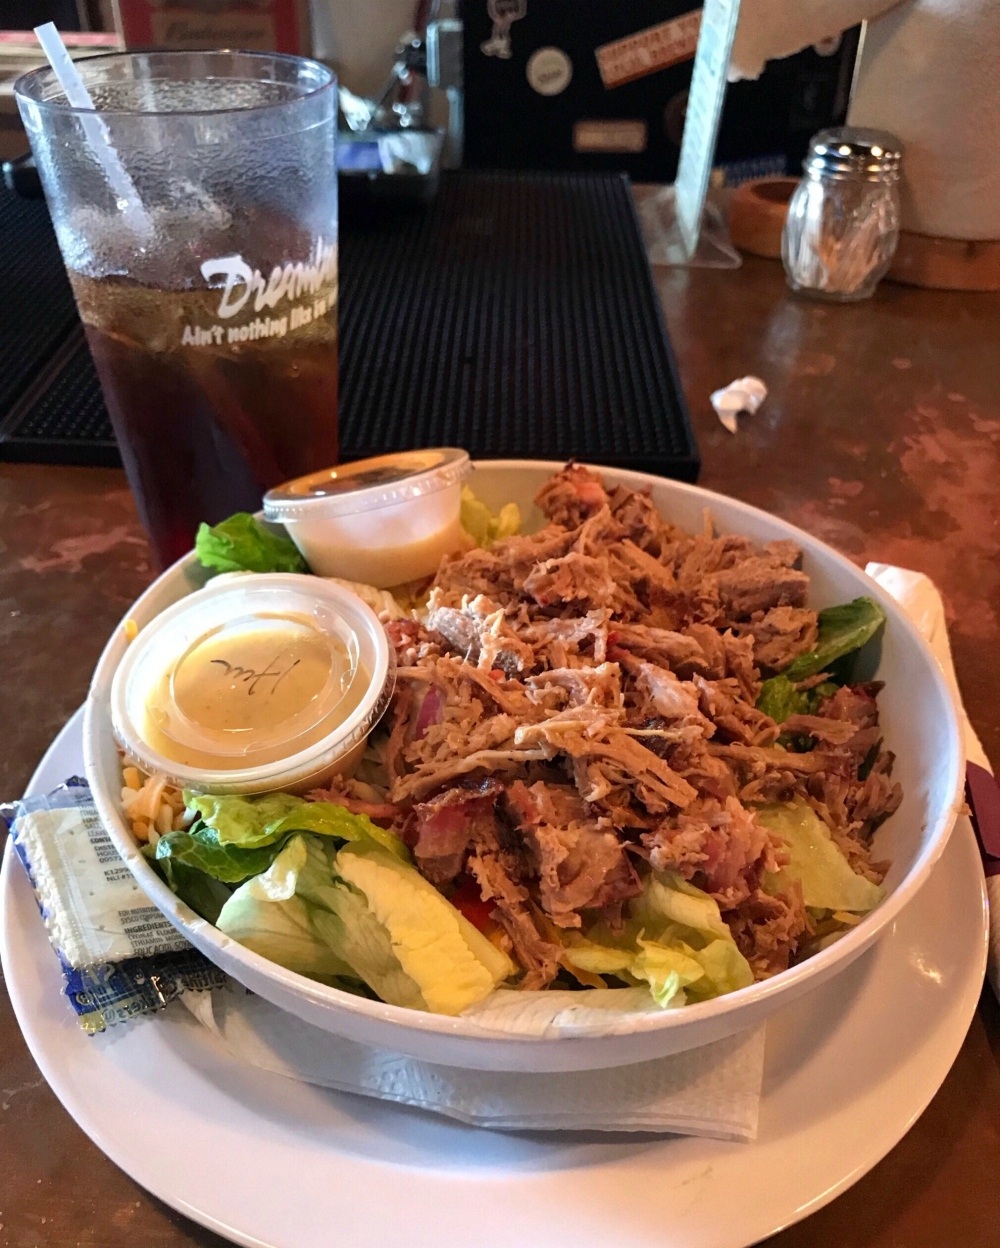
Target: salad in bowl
pixel 599 761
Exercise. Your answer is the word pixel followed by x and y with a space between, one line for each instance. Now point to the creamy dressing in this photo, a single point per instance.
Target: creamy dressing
pixel 384 521
pixel 253 691
pixel 251 679
pixel 386 555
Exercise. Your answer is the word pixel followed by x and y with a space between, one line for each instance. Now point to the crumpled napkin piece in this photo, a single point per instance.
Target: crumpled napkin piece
pixel 746 394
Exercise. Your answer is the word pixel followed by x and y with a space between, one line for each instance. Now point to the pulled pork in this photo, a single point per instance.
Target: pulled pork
pixel 582 698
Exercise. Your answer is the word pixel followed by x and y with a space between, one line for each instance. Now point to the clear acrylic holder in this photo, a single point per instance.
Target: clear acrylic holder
pixel 665 244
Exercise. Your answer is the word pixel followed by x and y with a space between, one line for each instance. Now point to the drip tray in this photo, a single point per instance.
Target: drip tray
pixel 515 316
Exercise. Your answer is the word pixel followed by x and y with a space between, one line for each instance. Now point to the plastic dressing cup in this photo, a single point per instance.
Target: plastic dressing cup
pixel 256 683
pixel 381 521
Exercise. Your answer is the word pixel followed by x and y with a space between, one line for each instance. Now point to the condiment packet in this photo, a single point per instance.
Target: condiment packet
pixel 120 956
pixel 93 909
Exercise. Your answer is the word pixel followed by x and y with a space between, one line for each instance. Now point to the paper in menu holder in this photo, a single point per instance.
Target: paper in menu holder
pixel 680 227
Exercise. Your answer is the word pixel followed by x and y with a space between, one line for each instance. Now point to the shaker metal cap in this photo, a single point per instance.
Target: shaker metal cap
pixel 855 152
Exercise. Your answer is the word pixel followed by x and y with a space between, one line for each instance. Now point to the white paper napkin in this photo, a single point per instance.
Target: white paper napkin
pixel 919 596
pixel 713 1091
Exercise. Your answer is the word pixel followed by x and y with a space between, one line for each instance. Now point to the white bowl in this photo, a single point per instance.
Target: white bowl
pixel 920 721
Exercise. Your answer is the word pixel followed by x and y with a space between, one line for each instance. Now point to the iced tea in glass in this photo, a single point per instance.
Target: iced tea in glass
pixel 210 303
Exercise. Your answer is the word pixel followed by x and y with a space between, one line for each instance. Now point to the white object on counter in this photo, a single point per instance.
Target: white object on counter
pixel 746 394
pixel 712 1091
pixel 383 521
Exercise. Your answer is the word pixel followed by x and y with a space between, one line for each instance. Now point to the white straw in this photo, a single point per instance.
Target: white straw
pixel 93 126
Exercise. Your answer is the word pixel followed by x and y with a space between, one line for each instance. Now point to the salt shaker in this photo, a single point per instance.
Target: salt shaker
pixel 843 219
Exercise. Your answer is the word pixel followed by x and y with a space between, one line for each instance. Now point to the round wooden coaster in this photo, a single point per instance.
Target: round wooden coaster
pixel 757 215
pixel 946 263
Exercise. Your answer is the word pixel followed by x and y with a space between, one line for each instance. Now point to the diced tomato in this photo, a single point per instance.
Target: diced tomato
pixel 497 674
pixel 467 900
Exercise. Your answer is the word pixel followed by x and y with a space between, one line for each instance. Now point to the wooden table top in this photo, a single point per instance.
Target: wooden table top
pixel 881 434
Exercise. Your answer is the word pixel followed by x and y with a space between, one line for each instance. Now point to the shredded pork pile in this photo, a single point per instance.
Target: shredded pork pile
pixel 580 702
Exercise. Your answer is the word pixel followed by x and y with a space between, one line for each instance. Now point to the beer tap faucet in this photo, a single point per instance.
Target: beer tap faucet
pixel 430 60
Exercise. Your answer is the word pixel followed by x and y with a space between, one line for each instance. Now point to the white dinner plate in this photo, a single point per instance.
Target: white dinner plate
pixel 271 1162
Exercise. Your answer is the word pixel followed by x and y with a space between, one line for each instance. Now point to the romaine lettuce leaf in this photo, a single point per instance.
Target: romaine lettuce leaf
pixel 243 544
pixel 329 819
pixel 362 913
pixel 250 822
pixel 206 896
pixel 452 963
pixel 597 958
pixel 244 821
pixel 267 916
pixel 200 849
pixel 827 879
pixel 780 699
pixel 668 969
pixel 669 899
pixel 842 630
pixel 349 926
pixel 675 941
pixel 482 526
pixel 724 970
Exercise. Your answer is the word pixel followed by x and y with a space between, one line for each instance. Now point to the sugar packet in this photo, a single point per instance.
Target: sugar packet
pixel 121 957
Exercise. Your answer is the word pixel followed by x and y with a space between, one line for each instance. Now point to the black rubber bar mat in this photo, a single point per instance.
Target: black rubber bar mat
pixel 516 316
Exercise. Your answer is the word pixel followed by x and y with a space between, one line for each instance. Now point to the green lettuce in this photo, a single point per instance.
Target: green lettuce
pixel 780 699
pixel 243 544
pixel 206 896
pixel 669 900
pixel 688 920
pixel 827 879
pixel 599 959
pixel 251 822
pixel 244 821
pixel 724 969
pixel 842 630
pixel 267 915
pixel 363 914
pixel 451 964
pixel 349 926
pixel 482 525
pixel 200 849
pixel 675 941
pixel 329 819
pixel 668 969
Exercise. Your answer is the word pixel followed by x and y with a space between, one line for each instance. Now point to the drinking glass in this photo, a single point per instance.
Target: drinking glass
pixel 208 285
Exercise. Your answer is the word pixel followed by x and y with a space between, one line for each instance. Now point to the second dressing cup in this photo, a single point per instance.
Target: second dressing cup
pixel 382 521
pixel 256 683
